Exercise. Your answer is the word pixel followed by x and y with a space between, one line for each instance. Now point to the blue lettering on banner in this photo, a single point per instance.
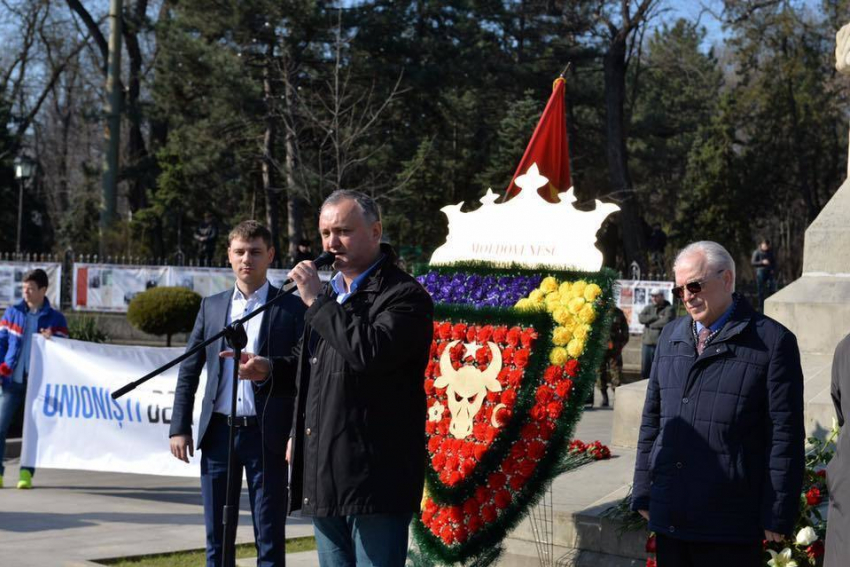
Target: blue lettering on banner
pixel 89 402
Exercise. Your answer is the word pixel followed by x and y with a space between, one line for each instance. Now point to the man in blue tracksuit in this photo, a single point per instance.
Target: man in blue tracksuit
pixel 20 322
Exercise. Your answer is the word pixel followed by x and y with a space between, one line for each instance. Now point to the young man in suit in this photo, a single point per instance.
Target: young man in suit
pixel 265 401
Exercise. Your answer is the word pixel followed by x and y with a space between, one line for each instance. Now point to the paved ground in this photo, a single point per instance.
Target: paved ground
pixel 73 517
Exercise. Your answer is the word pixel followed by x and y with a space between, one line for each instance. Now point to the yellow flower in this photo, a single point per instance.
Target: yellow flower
pixel 591 292
pixel 564 288
pixel 587 314
pixel 576 304
pixel 558 356
pixel 560 316
pixel 580 332
pixel 525 304
pixel 578 288
pixel 561 336
pixel 553 301
pixel 548 285
pixel 575 348
pixel 536 296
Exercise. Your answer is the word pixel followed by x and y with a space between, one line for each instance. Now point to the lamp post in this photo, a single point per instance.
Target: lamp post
pixel 23 171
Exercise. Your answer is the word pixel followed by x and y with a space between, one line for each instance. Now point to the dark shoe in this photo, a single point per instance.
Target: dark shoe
pixel 604 398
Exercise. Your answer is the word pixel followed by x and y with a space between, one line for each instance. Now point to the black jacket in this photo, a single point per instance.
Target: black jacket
pixel 720 455
pixel 282 325
pixel 359 434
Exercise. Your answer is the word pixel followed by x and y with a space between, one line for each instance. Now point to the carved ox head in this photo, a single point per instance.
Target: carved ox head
pixel 466 388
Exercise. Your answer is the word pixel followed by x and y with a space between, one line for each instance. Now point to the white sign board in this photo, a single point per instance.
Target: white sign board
pixel 12 278
pixel 71 421
pixel 633 295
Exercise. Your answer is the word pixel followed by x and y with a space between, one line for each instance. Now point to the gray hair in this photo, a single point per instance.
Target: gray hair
pixel 370 209
pixel 715 255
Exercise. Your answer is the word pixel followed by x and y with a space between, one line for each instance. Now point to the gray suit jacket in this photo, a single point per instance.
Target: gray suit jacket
pixel 274 398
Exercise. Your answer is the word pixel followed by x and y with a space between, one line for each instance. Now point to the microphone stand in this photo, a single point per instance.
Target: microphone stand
pixel 237 339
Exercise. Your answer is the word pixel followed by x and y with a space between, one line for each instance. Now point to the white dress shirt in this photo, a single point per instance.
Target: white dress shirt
pixel 239 307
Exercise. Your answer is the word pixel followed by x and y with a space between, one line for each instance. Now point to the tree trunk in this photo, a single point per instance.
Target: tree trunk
pixel 631 222
pixel 295 201
pixel 137 151
pixel 269 136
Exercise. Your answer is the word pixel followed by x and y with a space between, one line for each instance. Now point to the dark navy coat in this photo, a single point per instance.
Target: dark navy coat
pixel 721 449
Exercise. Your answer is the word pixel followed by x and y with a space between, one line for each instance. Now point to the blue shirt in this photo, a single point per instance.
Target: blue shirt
pixel 23 365
pixel 338 282
pixel 717 325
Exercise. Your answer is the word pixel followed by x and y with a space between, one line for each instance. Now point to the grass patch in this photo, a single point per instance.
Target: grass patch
pixel 197 558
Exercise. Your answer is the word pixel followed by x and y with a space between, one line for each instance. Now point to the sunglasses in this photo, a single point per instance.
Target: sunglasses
pixel 693 287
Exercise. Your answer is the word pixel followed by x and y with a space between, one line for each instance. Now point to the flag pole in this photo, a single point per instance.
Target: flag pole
pixel 567 68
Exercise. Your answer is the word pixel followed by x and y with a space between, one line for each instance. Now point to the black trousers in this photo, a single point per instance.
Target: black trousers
pixel 672 552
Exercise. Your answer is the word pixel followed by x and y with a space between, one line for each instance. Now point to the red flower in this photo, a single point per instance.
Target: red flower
pixel 459 331
pixel 429 385
pixel 514 336
pixel 813 496
pixel 515 378
pixel 821 473
pixel 507 356
pixel 509 466
pixel 518 450
pixel 451 463
pixel 554 409
pixel 530 431
pixel 479 430
pixel 455 514
pixel 438 461
pixel 426 516
pixel 499 334
pixel 521 358
pixel 471 507
pixel 577 446
pixel 491 434
pixel 439 519
pixel 482 495
pixel 488 513
pixel 445 476
pixel 650 562
pixel 547 428
pixel 445 330
pixel 479 451
pixel 431 428
pixel 466 449
pixel 493 396
pixel 538 412
pixel 536 450
pixel 815 550
pixel 502 498
pixel 571 368
pixel 461 534
pixel 509 398
pixel 473 523
pixel 467 466
pixel 440 348
pixel 516 483
pixel 471 332
pixel 526 468
pixel 496 480
pixel 443 427
pixel 528 337
pixel 552 374
pixel 485 333
pixel 503 416
pixel 563 389
pixel 483 356
pixel 650 544
pixel 446 535
pixel 544 395
pixel 454 478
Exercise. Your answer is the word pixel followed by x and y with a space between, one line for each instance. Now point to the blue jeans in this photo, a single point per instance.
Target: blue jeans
pixel 266 472
pixel 365 540
pixel 647 353
pixel 12 396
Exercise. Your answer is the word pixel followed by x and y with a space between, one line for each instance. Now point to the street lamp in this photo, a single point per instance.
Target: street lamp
pixel 23 170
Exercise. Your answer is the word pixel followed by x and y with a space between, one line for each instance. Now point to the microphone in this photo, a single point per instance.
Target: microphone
pixel 325 259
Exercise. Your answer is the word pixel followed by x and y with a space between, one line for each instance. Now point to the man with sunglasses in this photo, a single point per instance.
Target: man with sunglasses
pixel 720 456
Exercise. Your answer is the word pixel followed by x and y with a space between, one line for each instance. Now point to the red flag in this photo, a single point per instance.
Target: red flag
pixel 548 148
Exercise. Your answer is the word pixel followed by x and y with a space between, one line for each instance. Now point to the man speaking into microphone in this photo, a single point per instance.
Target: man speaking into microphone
pixel 358 440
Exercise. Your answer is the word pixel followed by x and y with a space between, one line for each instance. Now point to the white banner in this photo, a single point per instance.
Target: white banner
pixel 108 287
pixel 12 278
pixel 633 295
pixel 71 421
